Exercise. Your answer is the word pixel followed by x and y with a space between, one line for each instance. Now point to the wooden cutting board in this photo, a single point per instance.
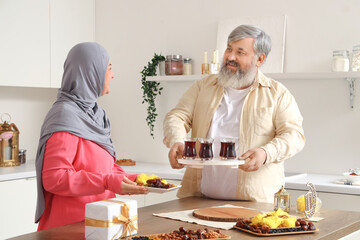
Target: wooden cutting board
pixel 224 214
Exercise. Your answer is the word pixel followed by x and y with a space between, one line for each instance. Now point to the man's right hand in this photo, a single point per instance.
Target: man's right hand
pixel 176 151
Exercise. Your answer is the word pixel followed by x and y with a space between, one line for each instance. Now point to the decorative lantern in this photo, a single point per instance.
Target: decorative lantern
pixel 282 200
pixel 9 143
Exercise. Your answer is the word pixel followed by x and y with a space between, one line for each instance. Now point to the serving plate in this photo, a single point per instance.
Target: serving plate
pixel 162 190
pixel 198 163
pixel 276 234
pixel 158 236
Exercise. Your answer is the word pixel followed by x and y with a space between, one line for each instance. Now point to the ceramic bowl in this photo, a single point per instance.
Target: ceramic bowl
pixel 352 178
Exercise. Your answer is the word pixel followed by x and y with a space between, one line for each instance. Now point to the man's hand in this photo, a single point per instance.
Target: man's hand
pixel 129 187
pixel 176 151
pixel 257 158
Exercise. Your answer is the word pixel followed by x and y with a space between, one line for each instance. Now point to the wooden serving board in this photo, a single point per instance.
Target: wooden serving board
pixel 275 234
pixel 224 214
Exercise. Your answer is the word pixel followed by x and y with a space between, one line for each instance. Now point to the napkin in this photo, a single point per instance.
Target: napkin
pixel 186 216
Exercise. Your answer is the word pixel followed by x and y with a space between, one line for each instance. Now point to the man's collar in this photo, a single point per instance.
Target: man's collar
pixel 261 79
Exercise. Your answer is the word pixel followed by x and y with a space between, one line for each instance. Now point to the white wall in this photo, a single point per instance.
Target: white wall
pixel 133 30
pixel 27 107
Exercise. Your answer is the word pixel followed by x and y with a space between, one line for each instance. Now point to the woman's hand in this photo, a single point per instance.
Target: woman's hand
pixel 129 187
pixel 176 151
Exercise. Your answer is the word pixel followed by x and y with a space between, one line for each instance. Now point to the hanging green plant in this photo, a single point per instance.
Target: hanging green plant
pixel 150 90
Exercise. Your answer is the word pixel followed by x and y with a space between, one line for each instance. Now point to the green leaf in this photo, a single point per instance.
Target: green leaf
pixel 151 90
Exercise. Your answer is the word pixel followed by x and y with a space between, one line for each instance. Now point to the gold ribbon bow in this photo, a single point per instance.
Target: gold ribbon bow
pixel 129 224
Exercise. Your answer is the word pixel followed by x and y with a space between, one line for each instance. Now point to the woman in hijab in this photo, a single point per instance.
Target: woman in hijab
pixel 75 158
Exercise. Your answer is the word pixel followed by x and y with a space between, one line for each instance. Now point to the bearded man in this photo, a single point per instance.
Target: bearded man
pixel 240 102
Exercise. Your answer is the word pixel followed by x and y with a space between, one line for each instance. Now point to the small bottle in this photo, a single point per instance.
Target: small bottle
pixel 187 66
pixel 22 156
pixel 205 65
pixel 355 62
pixel 214 65
pixel 340 62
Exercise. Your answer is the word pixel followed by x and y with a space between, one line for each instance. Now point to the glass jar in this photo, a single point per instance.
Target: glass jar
pixel 174 65
pixel 187 66
pixel 22 156
pixel 300 204
pixel 340 62
pixel 355 62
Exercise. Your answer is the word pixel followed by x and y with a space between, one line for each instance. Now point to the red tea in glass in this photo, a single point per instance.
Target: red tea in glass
pixel 227 150
pixel 189 149
pixel 206 152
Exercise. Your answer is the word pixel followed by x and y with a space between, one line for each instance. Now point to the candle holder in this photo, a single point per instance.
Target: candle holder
pixel 282 200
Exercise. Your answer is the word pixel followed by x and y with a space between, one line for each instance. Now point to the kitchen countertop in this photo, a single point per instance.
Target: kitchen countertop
pixel 26 170
pixel 295 181
pixel 336 223
pixel 322 182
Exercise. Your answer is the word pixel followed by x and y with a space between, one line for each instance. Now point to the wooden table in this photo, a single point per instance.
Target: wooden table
pixel 335 224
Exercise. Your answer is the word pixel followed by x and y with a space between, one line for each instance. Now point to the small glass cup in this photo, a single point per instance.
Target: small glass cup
pixel 206 152
pixel 227 150
pixel 189 149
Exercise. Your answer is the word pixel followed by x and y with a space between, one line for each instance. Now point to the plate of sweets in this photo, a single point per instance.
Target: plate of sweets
pixel 275 224
pixel 184 234
pixel 155 184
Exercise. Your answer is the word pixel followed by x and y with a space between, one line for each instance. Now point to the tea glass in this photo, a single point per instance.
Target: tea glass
pixel 227 149
pixel 206 152
pixel 189 149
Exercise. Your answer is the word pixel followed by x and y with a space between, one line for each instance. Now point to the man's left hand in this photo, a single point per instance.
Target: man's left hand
pixel 257 158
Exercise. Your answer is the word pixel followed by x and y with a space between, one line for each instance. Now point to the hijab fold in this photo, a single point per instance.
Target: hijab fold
pixel 76 110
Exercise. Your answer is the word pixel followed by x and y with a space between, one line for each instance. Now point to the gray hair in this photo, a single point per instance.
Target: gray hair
pixel 262 43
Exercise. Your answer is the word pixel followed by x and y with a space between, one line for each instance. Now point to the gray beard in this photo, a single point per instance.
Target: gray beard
pixel 238 80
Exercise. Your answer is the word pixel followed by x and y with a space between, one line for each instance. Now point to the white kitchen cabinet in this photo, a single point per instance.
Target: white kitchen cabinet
pixel 139 198
pixel 155 198
pixel 24 43
pixel 36 37
pixel 17 207
pixel 337 201
pixel 71 22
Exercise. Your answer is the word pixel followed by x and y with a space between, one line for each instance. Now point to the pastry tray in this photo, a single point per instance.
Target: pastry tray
pixel 275 234
pixel 199 163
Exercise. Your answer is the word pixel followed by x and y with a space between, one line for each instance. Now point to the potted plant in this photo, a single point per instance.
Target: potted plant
pixel 151 89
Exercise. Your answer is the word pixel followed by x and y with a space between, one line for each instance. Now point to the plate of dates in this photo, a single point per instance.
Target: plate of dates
pixel 184 234
pixel 157 186
pixel 301 227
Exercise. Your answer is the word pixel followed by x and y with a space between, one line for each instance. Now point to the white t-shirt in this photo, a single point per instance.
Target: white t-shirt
pixel 218 181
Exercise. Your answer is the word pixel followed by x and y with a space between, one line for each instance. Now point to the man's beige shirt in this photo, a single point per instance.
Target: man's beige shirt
pixel 270 119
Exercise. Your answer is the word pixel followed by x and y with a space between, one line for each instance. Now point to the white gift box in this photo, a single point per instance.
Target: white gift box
pixel 110 219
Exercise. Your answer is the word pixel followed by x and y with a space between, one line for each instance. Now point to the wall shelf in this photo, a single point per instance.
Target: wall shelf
pixel 277 76
pixel 349 76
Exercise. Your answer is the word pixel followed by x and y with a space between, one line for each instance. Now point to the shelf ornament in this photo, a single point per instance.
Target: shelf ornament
pixel 150 90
